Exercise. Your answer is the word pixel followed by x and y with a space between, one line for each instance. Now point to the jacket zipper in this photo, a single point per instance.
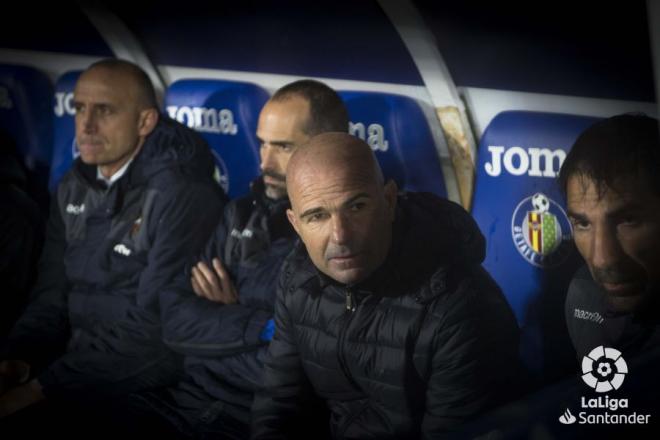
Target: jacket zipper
pixel 348 314
pixel 350 302
pixel 351 306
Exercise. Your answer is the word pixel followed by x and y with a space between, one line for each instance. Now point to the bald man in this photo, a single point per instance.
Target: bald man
pixel 385 314
pixel 125 219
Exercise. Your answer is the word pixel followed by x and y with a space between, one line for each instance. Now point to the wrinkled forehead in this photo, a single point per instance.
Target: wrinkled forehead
pixel 111 84
pixel 585 194
pixel 316 179
pixel 629 187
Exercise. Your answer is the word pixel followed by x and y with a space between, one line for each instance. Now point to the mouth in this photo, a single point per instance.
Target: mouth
pixel 273 182
pixel 89 146
pixel 627 288
pixel 348 260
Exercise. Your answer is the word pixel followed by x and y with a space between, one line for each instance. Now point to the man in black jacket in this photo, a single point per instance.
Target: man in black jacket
pixel 611 179
pixel 125 219
pixel 385 313
pixel 219 314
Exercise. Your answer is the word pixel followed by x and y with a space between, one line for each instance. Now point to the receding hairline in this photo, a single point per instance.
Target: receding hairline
pixel 327 112
pixel 146 94
pixel 335 149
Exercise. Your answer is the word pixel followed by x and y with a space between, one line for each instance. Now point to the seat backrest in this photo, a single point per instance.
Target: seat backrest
pixel 520 210
pixel 397 130
pixel 226 115
pixel 64 144
pixel 25 106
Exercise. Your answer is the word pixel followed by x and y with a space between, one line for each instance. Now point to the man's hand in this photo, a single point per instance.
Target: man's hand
pixel 13 373
pixel 214 285
pixel 20 397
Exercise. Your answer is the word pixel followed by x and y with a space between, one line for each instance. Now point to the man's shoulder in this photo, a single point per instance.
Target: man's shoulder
pixel 297 268
pixel 240 207
pixel 583 292
pixel 584 311
pixel 440 230
pixel 465 292
pixel 174 154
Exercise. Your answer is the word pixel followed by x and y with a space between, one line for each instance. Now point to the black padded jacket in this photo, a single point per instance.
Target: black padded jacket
pixel 425 343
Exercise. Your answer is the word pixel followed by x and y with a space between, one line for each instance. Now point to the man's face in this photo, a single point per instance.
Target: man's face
pixel 344 217
pixel 618 235
pixel 280 132
pixel 109 123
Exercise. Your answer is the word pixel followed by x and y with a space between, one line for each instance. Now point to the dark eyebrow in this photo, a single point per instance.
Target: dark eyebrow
pixel 621 211
pixel 346 203
pixel 95 104
pixel 310 212
pixel 279 143
pixel 354 198
pixel 576 216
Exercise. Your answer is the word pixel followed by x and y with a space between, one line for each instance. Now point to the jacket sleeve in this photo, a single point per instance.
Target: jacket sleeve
pixel 179 223
pixel 198 327
pixel 279 403
pixel 182 226
pixel 473 357
pixel 41 332
pixel 195 326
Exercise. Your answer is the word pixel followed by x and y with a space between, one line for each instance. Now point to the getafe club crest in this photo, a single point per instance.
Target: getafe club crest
pixel 541 231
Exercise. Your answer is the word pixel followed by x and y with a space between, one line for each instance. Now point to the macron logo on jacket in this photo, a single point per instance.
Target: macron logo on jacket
pixel 588 316
pixel 246 233
pixel 122 249
pixel 75 209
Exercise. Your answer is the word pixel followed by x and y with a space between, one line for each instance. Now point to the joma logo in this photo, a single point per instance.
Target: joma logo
pixel 535 162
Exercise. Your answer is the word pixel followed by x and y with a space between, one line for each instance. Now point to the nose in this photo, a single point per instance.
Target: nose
pixel 86 121
pixel 606 249
pixel 341 230
pixel 268 161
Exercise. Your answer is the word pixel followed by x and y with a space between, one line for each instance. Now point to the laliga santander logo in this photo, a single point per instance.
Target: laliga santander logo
pixel 604 369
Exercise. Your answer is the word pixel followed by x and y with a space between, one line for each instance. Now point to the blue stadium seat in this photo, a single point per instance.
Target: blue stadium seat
pixel 397 130
pixel 25 106
pixel 520 210
pixel 64 146
pixel 226 114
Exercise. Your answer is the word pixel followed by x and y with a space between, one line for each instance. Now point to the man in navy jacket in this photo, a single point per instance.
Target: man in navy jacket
pixel 125 219
pixel 219 313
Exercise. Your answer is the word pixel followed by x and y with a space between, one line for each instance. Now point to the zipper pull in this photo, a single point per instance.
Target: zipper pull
pixel 350 304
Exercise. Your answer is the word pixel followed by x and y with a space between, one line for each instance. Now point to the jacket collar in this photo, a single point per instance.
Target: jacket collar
pixel 272 210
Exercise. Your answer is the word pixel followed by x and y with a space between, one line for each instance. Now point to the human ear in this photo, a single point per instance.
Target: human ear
pixel 390 192
pixel 292 219
pixel 147 121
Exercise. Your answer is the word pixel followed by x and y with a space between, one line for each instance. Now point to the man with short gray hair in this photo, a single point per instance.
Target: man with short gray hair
pixel 123 222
